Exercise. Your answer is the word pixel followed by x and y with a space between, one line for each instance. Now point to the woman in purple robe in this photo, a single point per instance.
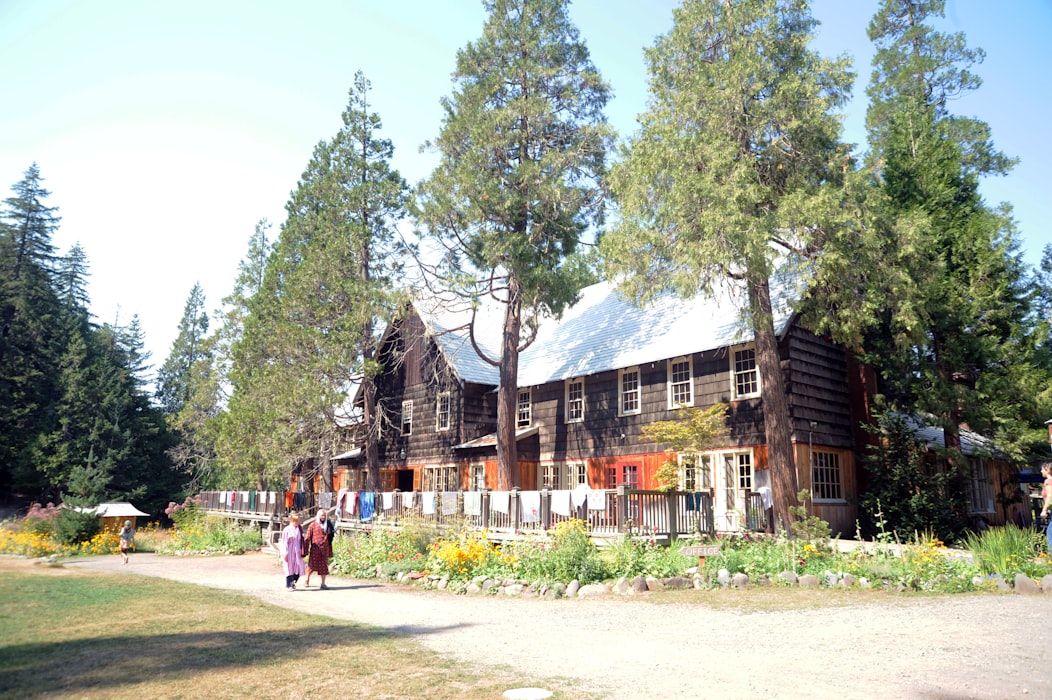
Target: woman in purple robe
pixel 292 552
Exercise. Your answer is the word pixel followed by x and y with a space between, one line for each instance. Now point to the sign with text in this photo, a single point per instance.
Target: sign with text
pixel 708 550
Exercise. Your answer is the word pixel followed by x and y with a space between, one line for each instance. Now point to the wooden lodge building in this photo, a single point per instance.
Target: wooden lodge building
pixel 590 382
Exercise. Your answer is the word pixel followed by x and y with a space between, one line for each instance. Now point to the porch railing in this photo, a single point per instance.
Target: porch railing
pixel 508 514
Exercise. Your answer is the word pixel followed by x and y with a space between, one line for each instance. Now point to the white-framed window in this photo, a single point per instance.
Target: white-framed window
pixel 826 482
pixel 441 478
pixel 695 472
pixel 477 473
pixel 576 474
pixel 566 475
pixel 407 417
pixel 575 400
pixel 680 382
pixel 550 477
pixel 442 411
pixel 980 487
pixel 628 402
pixel 745 377
pixel 741 464
pixel 524 409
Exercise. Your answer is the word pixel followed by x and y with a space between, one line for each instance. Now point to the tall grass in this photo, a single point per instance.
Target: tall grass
pixel 1007 550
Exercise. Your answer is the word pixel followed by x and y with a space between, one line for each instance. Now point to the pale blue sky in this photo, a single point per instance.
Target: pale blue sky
pixel 166 130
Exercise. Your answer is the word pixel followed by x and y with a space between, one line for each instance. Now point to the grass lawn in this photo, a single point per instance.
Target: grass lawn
pixel 66 633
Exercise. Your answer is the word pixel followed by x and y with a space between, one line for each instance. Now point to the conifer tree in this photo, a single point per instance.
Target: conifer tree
pixel 737 164
pixel 522 149
pixel 174 385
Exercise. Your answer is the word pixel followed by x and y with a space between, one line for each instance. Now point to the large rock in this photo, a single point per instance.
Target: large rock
pixel 514 589
pixel 639 585
pixel 572 588
pixel 1025 584
pixel 723 577
pixel 740 580
pixel 622 586
pixel 593 589
pixel 789 577
pixel 655 584
pixel 676 583
pixel 808 581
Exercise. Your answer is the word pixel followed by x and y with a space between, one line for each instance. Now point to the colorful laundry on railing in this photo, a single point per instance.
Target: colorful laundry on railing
pixel 529 506
pixel 428 499
pixel 408 499
pixel 500 501
pixel 388 499
pixel 367 501
pixel 290 498
pixel 472 503
pixel 449 503
pixel 561 503
pixel 596 500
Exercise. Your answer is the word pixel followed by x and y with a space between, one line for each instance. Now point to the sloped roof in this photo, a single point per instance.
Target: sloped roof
pixel 114 510
pixel 972 443
pixel 601 332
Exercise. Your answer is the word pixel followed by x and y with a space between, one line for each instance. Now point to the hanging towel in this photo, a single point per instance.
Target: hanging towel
pixel 579 495
pixel 388 497
pixel 561 503
pixel 765 496
pixel 596 500
pixel 409 499
pixel 529 506
pixel 472 503
pixel 290 498
pixel 368 505
pixel 429 502
pixel 500 501
pixel 340 496
pixel 449 502
pixel 325 500
pixel 272 496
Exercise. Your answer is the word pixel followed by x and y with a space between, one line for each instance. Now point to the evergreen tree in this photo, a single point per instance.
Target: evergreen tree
pixel 522 148
pixel 230 450
pixel 31 331
pixel 174 385
pixel 309 338
pixel 958 341
pixel 736 166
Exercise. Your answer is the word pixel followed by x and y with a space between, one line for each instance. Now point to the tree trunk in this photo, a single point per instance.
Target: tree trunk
pixel 507 452
pixel 372 439
pixel 785 482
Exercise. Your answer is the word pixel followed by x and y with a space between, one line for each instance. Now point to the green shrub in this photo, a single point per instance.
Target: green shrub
pixel 1006 550
pixel 568 554
pixel 73 526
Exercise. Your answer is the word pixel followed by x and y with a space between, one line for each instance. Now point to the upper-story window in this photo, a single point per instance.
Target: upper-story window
pixel 442 411
pixel 680 382
pixel 628 391
pixel 825 476
pixel 524 409
pixel 745 378
pixel 407 417
pixel 574 400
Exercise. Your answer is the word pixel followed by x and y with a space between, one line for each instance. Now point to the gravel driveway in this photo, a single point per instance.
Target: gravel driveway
pixel 885 646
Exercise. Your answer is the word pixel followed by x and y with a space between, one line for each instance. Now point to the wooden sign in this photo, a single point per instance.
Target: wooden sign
pixel 708 550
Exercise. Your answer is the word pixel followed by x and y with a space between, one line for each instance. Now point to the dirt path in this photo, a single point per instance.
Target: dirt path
pixel 965 646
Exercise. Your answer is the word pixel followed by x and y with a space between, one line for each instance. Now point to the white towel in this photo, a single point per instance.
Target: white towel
pixel 500 501
pixel 561 503
pixel 472 503
pixel 272 496
pixel 765 495
pixel 388 500
pixel 529 506
pixel 579 495
pixel 596 500
pixel 429 502
pixel 449 502
pixel 408 499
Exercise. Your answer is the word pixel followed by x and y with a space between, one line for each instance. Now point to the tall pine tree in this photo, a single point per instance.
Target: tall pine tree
pixel 522 147
pixel 737 163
